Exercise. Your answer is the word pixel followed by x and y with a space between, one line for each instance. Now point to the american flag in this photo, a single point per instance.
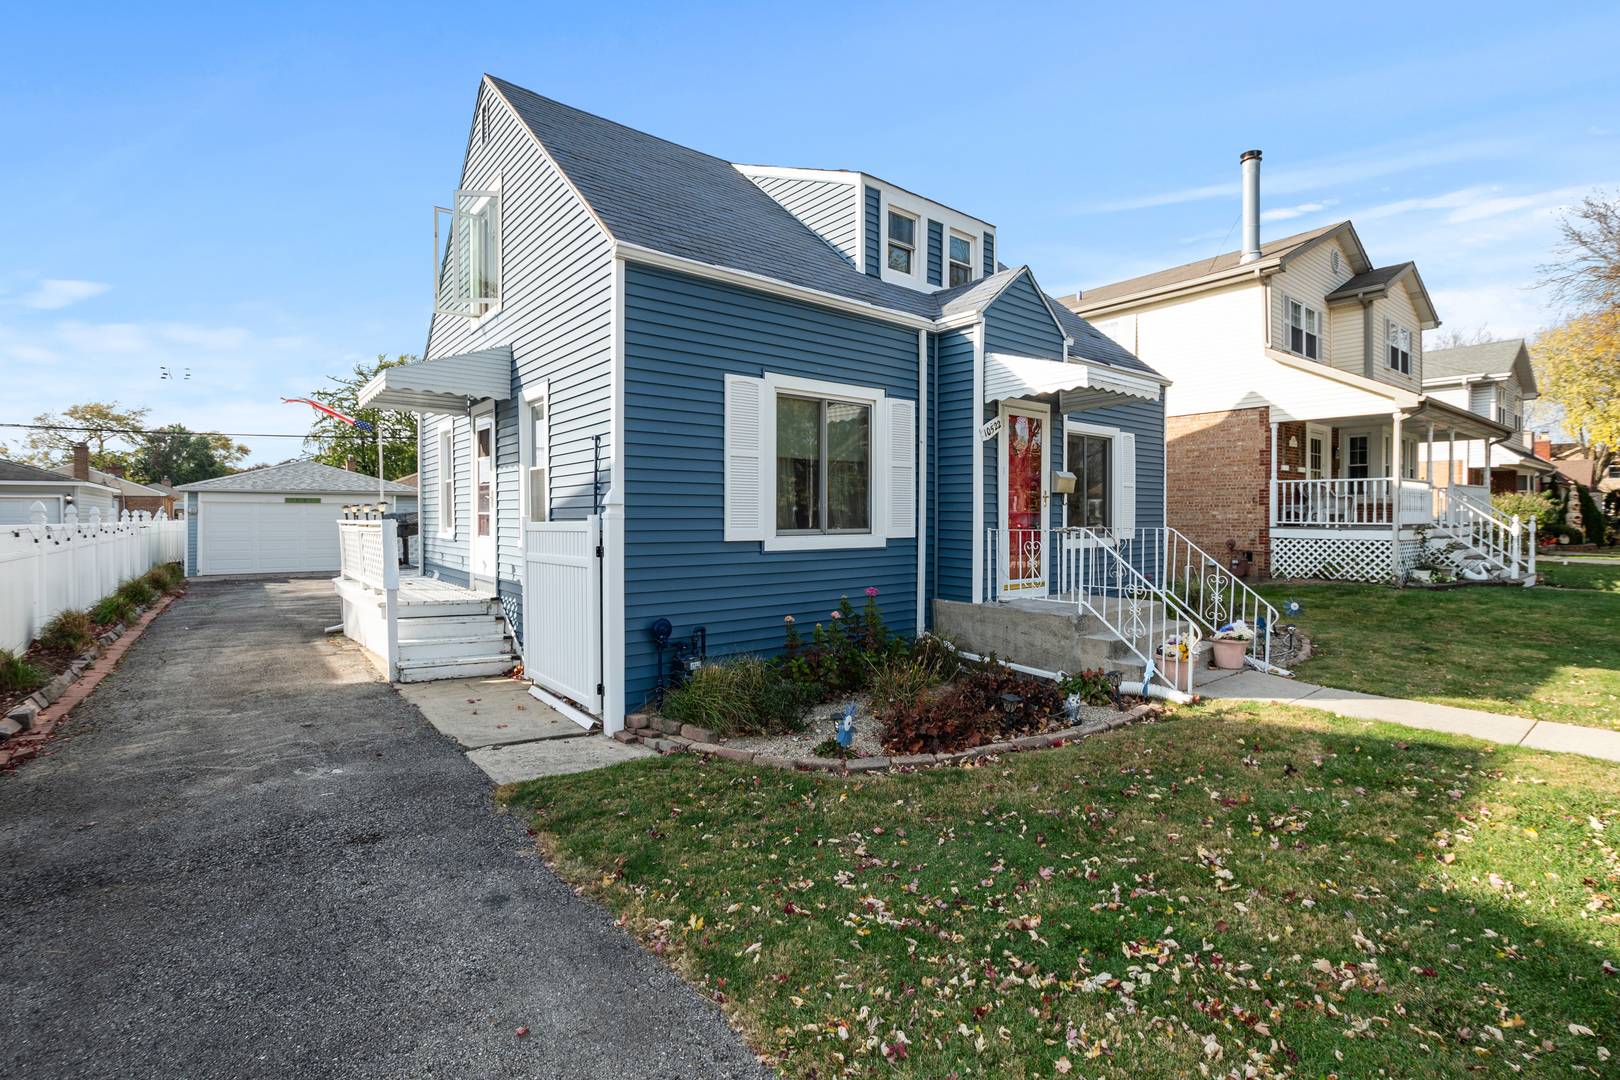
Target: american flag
pixel 351 421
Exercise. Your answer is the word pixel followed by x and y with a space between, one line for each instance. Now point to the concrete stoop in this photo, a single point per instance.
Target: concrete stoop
pixel 1039 634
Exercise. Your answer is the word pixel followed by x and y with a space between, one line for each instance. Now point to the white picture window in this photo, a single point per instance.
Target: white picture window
pixel 535 429
pixel 812 464
pixel 1306 327
pixel 447 480
pixel 1400 348
pixel 961 260
pixel 902 242
pixel 467 254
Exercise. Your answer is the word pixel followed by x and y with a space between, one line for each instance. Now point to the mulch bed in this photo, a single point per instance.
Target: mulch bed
pixel 51 663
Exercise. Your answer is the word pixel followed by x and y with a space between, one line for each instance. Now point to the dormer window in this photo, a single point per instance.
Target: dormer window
pixel 1400 348
pixel 961 260
pixel 1305 326
pixel 902 242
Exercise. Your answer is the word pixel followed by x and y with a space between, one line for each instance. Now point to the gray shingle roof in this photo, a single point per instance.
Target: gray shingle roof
pixel 298 476
pixel 118 483
pixel 1372 279
pixel 16 471
pixel 1092 344
pixel 1491 358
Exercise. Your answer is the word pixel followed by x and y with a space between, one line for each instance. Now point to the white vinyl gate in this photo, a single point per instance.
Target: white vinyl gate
pixel 562 636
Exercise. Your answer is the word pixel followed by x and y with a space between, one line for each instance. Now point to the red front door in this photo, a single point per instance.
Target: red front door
pixel 1025 464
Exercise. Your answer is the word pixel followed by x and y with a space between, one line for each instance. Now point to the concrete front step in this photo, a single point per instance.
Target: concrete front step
pixel 1038 635
pixel 463 668
pixel 475 645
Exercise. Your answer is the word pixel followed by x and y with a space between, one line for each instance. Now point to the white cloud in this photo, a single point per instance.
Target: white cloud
pixel 53 293
pixel 1286 212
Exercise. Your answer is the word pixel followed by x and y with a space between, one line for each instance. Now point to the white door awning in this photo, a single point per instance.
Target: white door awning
pixel 445 385
pixel 1079 384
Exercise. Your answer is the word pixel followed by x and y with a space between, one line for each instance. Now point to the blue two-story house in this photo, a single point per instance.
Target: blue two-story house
pixel 660 385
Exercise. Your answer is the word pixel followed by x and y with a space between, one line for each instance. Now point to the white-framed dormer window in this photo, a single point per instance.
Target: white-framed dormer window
pixel 902 242
pixel 1306 328
pixel 812 464
pixel 447 479
pixel 961 260
pixel 534 429
pixel 467 254
pixel 1400 348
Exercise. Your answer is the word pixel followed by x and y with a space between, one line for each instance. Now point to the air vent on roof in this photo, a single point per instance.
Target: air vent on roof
pixel 1335 260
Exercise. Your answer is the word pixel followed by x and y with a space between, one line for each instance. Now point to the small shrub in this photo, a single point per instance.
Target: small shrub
pixel 1592 519
pixel 115 608
pixel 136 591
pixel 1526 505
pixel 843 653
pixel 69 632
pixel 984 706
pixel 1015 704
pixel 165 577
pixel 18 674
pixel 901 680
pixel 742 695
pixel 1093 687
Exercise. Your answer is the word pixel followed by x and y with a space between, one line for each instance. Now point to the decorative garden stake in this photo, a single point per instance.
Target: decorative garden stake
pixel 845 732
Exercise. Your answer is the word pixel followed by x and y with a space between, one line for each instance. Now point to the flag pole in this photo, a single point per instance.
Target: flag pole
pixel 381 499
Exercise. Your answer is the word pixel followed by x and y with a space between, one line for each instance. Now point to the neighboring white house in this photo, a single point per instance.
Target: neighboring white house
pixel 1298 427
pixel 23 485
pixel 280 519
pixel 1494 380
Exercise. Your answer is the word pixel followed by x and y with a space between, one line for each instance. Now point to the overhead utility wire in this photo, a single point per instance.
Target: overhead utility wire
pixel 157 431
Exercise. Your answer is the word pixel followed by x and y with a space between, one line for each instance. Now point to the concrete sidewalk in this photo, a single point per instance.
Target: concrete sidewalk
pixel 1250 685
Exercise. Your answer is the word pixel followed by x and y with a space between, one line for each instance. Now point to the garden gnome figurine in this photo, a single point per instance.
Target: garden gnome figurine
pixel 846 727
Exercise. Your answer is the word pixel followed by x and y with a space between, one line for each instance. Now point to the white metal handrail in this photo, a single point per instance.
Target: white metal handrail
pixel 1201 585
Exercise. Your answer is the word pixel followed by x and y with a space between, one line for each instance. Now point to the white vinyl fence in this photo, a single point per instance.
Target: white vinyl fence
pixel 45 569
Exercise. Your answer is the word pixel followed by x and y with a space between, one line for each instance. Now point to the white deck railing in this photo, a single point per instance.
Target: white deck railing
pixel 368 550
pixel 46 569
pixel 1351 503
pixel 1509 541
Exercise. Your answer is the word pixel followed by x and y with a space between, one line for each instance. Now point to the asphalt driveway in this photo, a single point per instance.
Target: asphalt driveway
pixel 249 857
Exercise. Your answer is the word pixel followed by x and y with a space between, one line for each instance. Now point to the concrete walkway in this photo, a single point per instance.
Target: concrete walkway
pixel 246 856
pixel 1250 685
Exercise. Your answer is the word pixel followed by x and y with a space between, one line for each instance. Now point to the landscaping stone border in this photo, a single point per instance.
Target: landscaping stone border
pixel 36 718
pixel 668 737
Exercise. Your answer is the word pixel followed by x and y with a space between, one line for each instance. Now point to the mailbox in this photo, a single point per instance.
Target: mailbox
pixel 1062 482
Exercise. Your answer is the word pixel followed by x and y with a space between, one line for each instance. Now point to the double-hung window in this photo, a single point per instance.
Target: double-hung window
pixel 902 242
pixel 823 465
pixel 961 260
pixel 537 417
pixel 447 480
pixel 1306 326
pixel 1400 348
pixel 1358 457
pixel 1504 412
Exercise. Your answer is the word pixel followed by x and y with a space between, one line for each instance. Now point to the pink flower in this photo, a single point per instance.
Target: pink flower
pixel 836 615
pixel 787 618
pixel 872 591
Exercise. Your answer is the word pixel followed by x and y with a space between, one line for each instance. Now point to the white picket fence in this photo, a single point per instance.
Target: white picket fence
pixel 45 569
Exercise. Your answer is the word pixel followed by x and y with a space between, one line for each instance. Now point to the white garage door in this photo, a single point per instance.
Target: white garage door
pixel 267 534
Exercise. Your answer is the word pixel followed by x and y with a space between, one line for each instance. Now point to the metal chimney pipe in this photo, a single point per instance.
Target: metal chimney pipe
pixel 1251 206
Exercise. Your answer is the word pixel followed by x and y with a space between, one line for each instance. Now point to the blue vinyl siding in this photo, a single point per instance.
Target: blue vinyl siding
pixel 874 232
pixel 1019 322
pixel 827 207
pixel 1145 419
pixel 955 433
pixel 682 336
pixel 936 253
pixel 989 254
pixel 930 479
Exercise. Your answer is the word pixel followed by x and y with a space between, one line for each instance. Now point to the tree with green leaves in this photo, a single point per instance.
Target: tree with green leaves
pixel 182 456
pixel 334 442
pixel 110 432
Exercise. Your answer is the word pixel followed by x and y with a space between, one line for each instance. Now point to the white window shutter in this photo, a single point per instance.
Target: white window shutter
pixel 901 425
pixel 1125 482
pixel 744 446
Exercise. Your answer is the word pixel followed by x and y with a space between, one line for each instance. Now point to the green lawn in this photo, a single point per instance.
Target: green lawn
pixel 1546 653
pixel 1580 575
pixel 1235 888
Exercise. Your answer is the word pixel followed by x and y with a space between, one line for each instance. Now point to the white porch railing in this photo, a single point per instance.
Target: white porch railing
pixel 369 553
pixel 1351 503
pixel 1201 585
pixel 46 569
pixel 1096 574
pixel 1509 541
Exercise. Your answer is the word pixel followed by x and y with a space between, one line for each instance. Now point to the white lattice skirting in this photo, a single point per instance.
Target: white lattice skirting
pixel 1340 558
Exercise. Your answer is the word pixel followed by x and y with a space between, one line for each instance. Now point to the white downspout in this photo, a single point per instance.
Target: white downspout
pixel 1396 480
pixel 976 417
pixel 922 480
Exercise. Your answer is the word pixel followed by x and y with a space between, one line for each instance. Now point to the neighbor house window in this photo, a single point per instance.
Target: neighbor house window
pixel 961 260
pixel 1400 348
pixel 1358 457
pixel 1305 326
pixel 447 481
pixel 902 242
pixel 1090 504
pixel 1315 463
pixel 1504 406
pixel 539 457
pixel 823 465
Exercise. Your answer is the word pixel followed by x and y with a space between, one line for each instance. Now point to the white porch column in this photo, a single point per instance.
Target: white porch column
pixel 1429 470
pixel 1272 480
pixel 1451 467
pixel 1395 485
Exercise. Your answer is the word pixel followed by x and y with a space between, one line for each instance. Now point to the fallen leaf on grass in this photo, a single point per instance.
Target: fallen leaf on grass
pixel 1577 1029
pixel 522 1031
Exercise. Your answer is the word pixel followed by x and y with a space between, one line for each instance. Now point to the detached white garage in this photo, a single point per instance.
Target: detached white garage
pixel 277 520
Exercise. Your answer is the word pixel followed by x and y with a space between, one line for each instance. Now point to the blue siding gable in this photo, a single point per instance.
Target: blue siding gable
pixel 989 254
pixel 874 233
pixel 682 336
pixel 1019 322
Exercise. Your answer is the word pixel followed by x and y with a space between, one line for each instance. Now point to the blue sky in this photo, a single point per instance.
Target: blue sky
pixel 245 191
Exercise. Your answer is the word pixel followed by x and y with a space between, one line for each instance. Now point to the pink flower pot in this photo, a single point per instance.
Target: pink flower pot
pixel 1228 654
pixel 1173 672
